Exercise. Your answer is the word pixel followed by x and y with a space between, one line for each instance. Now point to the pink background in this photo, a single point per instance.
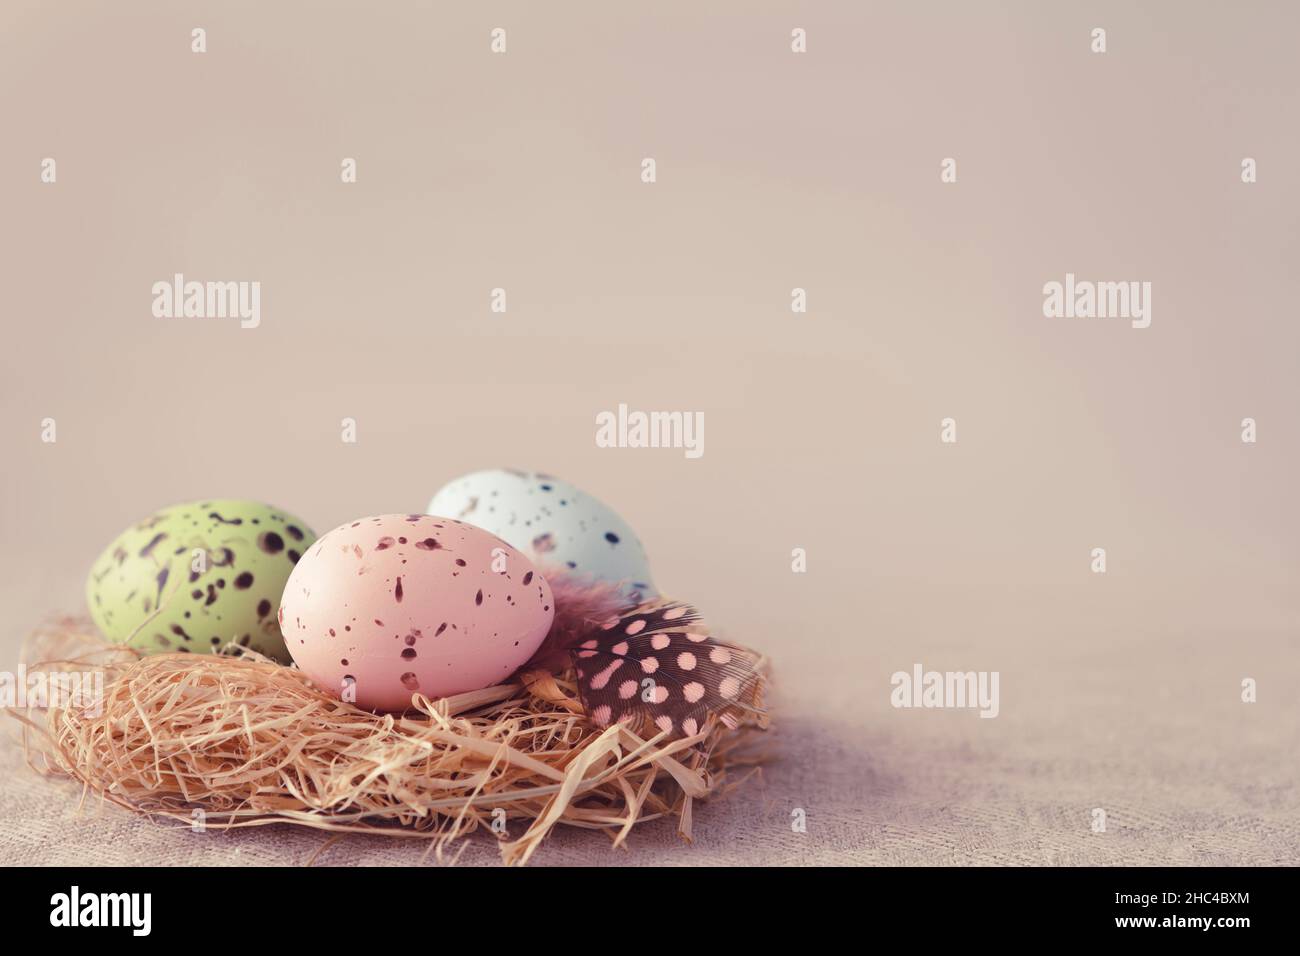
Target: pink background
pixel 775 170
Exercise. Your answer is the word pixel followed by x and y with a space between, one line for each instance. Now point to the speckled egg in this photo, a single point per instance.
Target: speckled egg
pixel 387 606
pixel 554 523
pixel 198 576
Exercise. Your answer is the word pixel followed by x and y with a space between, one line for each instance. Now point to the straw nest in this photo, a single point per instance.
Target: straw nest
pixel 230 741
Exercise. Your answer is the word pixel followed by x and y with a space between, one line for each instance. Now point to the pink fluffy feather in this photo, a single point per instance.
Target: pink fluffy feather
pixel 581 605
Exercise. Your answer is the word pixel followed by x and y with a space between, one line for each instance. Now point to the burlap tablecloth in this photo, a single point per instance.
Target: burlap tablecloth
pixel 1185 776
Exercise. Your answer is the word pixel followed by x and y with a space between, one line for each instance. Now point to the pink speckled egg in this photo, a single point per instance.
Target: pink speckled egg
pixel 384 607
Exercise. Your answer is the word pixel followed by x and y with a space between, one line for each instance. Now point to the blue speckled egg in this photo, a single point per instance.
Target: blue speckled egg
pixel 555 524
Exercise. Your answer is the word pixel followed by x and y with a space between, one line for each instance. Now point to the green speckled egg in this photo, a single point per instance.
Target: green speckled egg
pixel 196 577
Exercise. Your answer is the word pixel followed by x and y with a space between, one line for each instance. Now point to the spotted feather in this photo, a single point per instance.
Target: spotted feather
pixel 657 668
